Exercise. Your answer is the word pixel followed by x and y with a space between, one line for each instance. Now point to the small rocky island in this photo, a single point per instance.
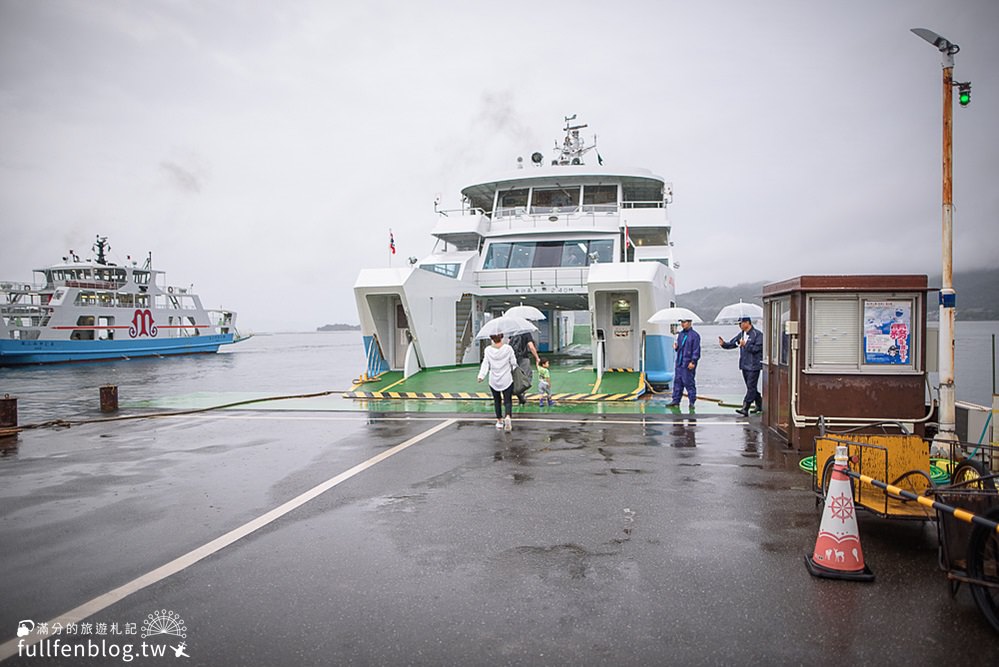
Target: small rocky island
pixel 339 327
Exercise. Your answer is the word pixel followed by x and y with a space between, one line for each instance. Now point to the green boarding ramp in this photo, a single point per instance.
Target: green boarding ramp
pixel 569 384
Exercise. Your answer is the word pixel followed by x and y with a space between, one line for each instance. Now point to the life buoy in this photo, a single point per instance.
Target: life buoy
pixel 170 289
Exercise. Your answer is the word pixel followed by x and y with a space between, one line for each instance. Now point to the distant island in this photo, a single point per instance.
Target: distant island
pixel 339 327
pixel 977 298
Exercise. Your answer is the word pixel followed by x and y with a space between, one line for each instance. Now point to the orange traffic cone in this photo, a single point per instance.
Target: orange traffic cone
pixel 837 552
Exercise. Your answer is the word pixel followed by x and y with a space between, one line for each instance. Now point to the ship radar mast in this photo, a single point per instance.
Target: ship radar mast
pixel 573 147
pixel 100 246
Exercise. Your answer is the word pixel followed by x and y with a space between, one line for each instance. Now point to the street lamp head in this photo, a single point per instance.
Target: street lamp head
pixel 943 44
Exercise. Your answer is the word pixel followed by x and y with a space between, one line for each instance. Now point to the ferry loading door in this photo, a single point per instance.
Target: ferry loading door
pixel 401 338
pixel 621 338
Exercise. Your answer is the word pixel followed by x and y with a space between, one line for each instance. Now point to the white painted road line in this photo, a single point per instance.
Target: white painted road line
pixel 87 609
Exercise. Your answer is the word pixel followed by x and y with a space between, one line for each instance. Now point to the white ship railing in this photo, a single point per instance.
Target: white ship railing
pixel 20 287
pixel 549 279
pixel 557 218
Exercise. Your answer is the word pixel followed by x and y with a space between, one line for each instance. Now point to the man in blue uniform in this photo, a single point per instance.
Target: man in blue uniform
pixel 750 344
pixel 688 353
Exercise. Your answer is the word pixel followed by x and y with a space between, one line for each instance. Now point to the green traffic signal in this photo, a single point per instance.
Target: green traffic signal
pixel 964 94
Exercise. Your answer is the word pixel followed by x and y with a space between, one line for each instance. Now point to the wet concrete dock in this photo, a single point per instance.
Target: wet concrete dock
pixel 658 539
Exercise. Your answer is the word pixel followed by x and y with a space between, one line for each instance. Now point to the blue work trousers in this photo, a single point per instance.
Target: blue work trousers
pixel 684 378
pixel 753 395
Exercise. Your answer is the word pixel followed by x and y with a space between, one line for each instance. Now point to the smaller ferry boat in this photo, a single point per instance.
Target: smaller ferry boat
pixel 95 310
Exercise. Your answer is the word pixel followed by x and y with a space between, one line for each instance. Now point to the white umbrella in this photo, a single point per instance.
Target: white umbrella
pixel 676 314
pixel 526 312
pixel 506 325
pixel 737 311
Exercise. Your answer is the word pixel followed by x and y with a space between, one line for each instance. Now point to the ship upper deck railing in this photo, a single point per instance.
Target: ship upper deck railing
pixel 93 284
pixel 546 279
pixel 20 287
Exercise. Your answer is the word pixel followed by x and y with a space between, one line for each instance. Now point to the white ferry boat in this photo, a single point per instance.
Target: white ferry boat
pixel 93 310
pixel 584 243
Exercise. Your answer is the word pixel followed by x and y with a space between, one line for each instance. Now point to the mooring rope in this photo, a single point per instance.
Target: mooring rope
pixel 68 423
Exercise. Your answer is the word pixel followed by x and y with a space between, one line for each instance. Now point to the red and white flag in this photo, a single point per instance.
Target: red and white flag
pixel 391 242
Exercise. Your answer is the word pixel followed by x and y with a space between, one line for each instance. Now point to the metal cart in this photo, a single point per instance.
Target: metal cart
pixel 970 553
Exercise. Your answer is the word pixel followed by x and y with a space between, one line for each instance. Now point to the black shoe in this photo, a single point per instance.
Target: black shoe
pixel 521 399
pixel 743 412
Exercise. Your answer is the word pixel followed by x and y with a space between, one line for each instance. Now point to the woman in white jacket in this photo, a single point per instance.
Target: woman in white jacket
pixel 499 361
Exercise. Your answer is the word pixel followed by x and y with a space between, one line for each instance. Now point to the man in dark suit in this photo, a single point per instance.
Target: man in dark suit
pixel 750 344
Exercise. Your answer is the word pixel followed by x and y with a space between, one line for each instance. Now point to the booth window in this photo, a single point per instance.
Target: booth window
pixel 861 334
pixel 779 341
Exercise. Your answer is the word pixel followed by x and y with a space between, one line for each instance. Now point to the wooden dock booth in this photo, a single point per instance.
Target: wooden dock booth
pixel 850 349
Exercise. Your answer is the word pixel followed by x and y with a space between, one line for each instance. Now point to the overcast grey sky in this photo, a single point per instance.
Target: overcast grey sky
pixel 262 150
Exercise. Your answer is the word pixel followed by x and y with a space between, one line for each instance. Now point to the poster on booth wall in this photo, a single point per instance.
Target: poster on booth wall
pixel 887 332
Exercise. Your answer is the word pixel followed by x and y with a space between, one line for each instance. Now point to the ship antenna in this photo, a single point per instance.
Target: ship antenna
pixel 573 147
pixel 102 245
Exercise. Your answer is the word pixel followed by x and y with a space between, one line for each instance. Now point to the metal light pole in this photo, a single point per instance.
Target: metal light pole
pixel 947 431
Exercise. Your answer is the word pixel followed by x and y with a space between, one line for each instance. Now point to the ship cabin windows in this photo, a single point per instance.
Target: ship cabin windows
pixel 513 202
pixel 554 200
pixel 599 198
pixel 84 334
pixel 110 275
pixel 141 278
pixel 88 298
pixel 558 200
pixel 449 270
pixel 654 236
pixel 101 278
pixel 642 195
pixel 548 254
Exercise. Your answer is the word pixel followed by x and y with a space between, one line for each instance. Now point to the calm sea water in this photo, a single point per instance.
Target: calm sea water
pixel 294 363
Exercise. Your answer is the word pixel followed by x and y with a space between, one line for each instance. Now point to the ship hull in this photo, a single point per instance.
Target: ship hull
pixel 27 352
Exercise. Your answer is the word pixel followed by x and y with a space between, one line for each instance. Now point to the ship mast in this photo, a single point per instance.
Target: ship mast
pixel 573 147
pixel 102 245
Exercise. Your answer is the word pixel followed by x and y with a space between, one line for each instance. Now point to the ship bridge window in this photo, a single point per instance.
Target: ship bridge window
pixel 111 275
pixel 498 256
pixel 522 255
pixel 449 270
pixel 141 277
pixel 601 250
pixel 547 254
pixel 554 200
pixel 599 198
pixel 574 253
pixel 642 195
pixel 511 200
